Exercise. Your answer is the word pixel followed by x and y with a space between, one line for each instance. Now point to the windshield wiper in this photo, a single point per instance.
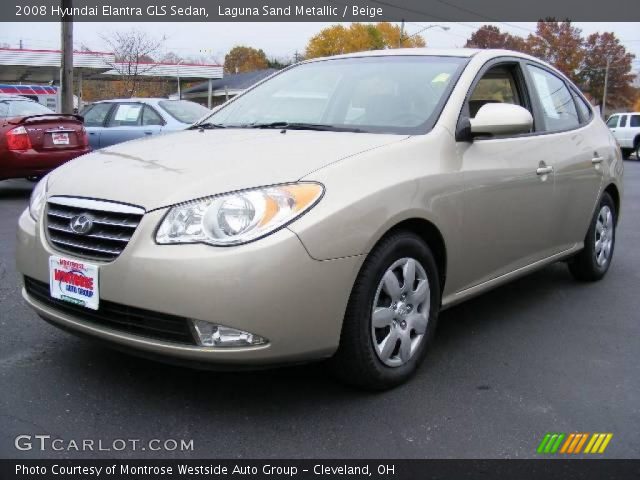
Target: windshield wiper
pixel 206 126
pixel 302 126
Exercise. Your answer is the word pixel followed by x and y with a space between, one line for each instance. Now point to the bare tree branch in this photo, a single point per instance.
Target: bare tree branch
pixel 134 52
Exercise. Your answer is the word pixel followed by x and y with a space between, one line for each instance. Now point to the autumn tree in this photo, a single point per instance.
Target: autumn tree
pixel 490 36
pixel 242 59
pixel 601 47
pixel 358 37
pixel 134 51
pixel 560 44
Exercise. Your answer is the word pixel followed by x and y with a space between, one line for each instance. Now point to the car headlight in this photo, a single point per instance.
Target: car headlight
pixel 239 217
pixel 38 196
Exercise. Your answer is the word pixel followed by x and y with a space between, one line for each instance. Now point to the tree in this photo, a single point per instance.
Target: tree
pixel 560 44
pixel 490 36
pixel 242 59
pixel 359 37
pixel 133 50
pixel 599 47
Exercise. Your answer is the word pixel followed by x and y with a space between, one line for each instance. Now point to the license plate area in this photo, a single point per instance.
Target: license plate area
pixel 60 138
pixel 74 281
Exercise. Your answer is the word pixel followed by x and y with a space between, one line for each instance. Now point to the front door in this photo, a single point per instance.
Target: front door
pixel 509 187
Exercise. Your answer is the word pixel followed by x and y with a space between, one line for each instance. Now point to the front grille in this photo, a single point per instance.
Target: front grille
pixel 115 316
pixel 111 226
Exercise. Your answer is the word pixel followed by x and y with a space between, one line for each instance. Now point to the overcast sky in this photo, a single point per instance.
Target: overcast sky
pixel 276 39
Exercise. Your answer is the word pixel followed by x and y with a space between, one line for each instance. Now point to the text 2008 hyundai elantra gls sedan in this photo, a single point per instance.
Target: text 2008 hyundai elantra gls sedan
pixel 330 211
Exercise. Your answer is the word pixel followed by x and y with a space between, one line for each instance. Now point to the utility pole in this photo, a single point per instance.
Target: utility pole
pixel 401 34
pixel 66 64
pixel 606 81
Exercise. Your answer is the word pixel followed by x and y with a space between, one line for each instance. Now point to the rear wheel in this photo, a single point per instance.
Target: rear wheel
pixel 638 150
pixel 593 261
pixel 391 316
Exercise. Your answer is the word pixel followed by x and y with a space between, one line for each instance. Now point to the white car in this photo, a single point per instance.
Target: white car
pixel 626 128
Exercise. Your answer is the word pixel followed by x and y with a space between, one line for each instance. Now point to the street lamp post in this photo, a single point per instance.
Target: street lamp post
pixel 435 25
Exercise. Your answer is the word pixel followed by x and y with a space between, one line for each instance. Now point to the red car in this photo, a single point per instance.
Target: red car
pixel 34 140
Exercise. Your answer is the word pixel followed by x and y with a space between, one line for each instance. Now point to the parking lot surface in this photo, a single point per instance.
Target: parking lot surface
pixel 542 354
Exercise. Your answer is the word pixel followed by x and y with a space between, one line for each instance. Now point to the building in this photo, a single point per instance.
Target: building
pixel 33 67
pixel 225 88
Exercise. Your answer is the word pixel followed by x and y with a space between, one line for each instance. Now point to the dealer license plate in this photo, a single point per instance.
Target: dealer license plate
pixel 74 282
pixel 60 138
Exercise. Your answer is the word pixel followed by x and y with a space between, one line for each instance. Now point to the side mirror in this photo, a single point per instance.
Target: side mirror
pixel 501 119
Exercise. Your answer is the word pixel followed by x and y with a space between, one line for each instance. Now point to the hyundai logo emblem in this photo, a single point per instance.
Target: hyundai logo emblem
pixel 81 224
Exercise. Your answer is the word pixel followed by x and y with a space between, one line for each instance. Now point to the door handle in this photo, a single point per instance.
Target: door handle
pixel 544 170
pixel 597 159
pixel 148 133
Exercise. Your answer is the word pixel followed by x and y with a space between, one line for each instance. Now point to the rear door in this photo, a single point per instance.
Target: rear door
pixel 152 122
pixel 577 147
pixel 95 117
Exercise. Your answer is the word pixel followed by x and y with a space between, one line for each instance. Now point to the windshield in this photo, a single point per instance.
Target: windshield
pixel 21 108
pixel 183 110
pixel 386 94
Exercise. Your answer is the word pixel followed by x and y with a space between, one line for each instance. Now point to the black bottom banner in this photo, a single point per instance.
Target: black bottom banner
pixel 318 469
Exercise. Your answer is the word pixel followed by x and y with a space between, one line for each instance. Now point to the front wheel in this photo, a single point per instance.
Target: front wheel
pixel 593 261
pixel 626 153
pixel 391 315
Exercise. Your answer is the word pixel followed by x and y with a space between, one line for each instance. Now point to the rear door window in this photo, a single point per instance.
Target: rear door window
pixel 151 117
pixel 558 107
pixel 623 121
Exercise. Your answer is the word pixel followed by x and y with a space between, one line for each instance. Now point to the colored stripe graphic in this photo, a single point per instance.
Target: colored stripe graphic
pixel 598 443
pixel 551 442
pixel 573 443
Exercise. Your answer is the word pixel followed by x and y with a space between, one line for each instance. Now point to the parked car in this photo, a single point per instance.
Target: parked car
pixel 34 140
pixel 114 121
pixel 626 128
pixel 329 212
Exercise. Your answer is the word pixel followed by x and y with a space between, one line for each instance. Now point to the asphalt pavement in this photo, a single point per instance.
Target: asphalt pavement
pixel 542 354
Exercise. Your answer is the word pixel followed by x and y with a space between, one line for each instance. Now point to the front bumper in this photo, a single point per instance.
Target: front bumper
pixel 271 287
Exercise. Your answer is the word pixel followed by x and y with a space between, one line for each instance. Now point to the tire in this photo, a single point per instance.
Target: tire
pixel 638 150
pixel 626 153
pixel 589 265
pixel 33 178
pixel 359 359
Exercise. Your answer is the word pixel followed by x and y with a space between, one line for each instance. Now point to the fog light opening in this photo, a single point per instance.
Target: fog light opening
pixel 211 335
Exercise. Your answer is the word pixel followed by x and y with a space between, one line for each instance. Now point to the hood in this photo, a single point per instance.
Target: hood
pixel 177 167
